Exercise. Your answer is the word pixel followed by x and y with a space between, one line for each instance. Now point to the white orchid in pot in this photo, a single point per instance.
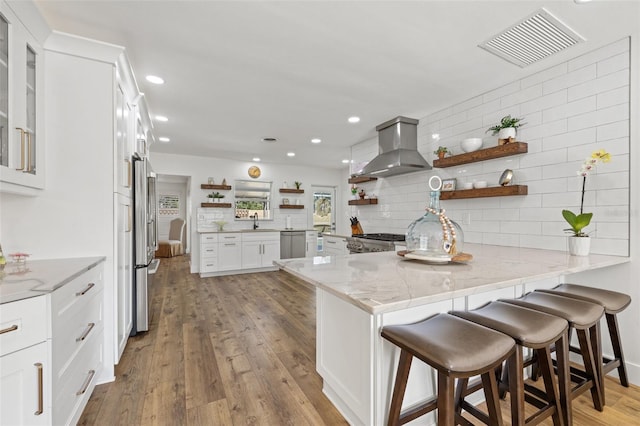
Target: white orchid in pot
pixel 579 242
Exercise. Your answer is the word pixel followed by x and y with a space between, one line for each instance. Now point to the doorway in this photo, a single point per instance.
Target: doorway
pixel 174 202
pixel 323 214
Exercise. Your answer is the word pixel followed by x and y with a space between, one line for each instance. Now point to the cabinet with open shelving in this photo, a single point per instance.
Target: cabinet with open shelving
pixel 499 151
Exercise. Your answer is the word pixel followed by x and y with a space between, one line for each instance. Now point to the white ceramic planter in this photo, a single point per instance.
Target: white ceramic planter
pixel 579 246
pixel 509 132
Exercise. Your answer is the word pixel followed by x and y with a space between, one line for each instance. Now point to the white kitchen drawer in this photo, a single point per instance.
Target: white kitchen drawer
pixel 261 236
pixel 230 238
pixel 208 250
pixel 69 398
pixel 72 333
pixel 76 292
pixel 209 264
pixel 24 323
pixel 208 238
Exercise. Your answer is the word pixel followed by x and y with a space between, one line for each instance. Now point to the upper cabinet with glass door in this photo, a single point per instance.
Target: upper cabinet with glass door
pixel 21 106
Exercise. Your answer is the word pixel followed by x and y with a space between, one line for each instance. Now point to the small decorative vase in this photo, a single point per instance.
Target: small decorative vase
pixel 355 196
pixel 441 155
pixel 579 246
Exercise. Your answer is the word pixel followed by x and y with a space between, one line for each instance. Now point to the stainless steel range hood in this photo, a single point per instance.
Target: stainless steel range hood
pixel 398 150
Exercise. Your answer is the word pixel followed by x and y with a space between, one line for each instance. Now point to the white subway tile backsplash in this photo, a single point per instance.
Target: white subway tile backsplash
pixel 613 64
pixel 570 110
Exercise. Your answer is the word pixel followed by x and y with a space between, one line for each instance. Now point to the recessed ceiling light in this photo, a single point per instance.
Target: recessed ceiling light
pixel 155 79
pixel 345 161
pixel 316 140
pixel 269 139
pixel 291 154
pixel 163 139
pixel 161 118
pixel 354 119
pixel 256 159
pixel 581 1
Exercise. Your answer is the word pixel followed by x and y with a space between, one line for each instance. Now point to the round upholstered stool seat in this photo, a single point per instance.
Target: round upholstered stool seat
pixel 538 331
pixel 613 303
pixel 456 349
pixel 584 317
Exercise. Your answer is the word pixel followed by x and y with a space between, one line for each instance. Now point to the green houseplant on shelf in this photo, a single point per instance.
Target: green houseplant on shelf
pixel 507 128
pixel 579 242
pixel 441 151
pixel 297 184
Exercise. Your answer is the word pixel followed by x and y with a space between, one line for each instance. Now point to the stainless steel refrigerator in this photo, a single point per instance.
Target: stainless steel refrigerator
pixel 145 240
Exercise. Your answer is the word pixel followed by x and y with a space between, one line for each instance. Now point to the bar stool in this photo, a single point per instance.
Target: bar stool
pixel 613 303
pixel 584 317
pixel 456 349
pixel 538 331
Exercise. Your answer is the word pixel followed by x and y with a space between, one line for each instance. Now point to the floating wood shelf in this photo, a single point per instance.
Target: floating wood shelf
pixel 217 205
pixel 291 206
pixel 363 202
pixel 207 186
pixel 362 179
pixel 291 191
pixel 496 191
pixel 483 154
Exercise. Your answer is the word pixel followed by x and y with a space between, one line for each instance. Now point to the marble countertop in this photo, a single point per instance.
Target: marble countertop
pixel 385 282
pixel 37 277
pixel 226 231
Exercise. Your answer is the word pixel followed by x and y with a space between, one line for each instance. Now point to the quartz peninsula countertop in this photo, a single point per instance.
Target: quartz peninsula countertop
pixel 37 277
pixel 385 282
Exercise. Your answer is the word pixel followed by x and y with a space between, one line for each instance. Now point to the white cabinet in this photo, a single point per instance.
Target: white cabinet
pixel 124 271
pixel 24 365
pixel 208 253
pixel 229 251
pixel 21 107
pixel 260 249
pixel 24 387
pixel 123 145
pixel 311 241
pixel 334 245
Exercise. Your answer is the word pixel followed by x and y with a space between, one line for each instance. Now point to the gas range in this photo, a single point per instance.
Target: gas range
pixel 368 243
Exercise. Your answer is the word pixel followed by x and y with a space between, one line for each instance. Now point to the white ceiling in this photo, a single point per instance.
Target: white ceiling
pixel 238 71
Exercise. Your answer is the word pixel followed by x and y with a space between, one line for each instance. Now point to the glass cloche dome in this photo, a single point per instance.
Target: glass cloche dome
pixel 434 236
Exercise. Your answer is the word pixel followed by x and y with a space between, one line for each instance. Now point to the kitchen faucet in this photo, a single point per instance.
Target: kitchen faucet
pixel 255 221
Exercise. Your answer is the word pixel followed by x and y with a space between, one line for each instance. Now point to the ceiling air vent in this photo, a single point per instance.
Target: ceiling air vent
pixel 534 38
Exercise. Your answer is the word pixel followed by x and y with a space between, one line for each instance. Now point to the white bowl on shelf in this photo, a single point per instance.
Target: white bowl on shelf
pixel 467 185
pixel 471 144
pixel 480 184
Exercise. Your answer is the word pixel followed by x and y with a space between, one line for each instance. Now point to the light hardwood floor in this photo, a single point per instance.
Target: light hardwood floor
pixel 240 350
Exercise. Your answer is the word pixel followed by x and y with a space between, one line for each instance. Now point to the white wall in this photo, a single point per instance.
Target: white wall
pixel 570 110
pixel 200 168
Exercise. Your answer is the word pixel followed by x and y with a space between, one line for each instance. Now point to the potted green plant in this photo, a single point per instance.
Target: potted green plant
pixel 441 151
pixel 297 184
pixel 354 192
pixel 507 128
pixel 579 242
pixel 217 196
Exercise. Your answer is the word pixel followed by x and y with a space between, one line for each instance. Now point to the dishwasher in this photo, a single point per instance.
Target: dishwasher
pixel 292 244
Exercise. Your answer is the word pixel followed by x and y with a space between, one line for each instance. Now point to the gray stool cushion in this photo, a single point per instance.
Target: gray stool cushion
pixel 451 344
pixel 612 301
pixel 579 313
pixel 528 327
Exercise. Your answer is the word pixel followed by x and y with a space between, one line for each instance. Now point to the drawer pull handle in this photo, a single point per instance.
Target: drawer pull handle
pixel 86 332
pixel 83 292
pixel 86 383
pixel 40 410
pixel 9 329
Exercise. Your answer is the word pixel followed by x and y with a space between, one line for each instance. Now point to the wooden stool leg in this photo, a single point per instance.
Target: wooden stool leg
pixel 596 343
pixel 399 387
pixel 516 388
pixel 546 369
pixel 490 384
pixel 446 403
pixel 612 324
pixel 590 368
pixel 461 389
pixel 564 378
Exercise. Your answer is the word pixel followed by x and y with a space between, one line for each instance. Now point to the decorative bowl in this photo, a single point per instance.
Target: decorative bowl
pixel 480 184
pixel 467 185
pixel 471 144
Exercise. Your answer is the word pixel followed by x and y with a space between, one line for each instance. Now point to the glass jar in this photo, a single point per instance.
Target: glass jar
pixel 434 236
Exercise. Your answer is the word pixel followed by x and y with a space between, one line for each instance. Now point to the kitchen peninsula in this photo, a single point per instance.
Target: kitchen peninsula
pixel 358 294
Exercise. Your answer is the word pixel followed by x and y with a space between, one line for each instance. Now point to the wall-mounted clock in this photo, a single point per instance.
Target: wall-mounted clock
pixel 254 172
